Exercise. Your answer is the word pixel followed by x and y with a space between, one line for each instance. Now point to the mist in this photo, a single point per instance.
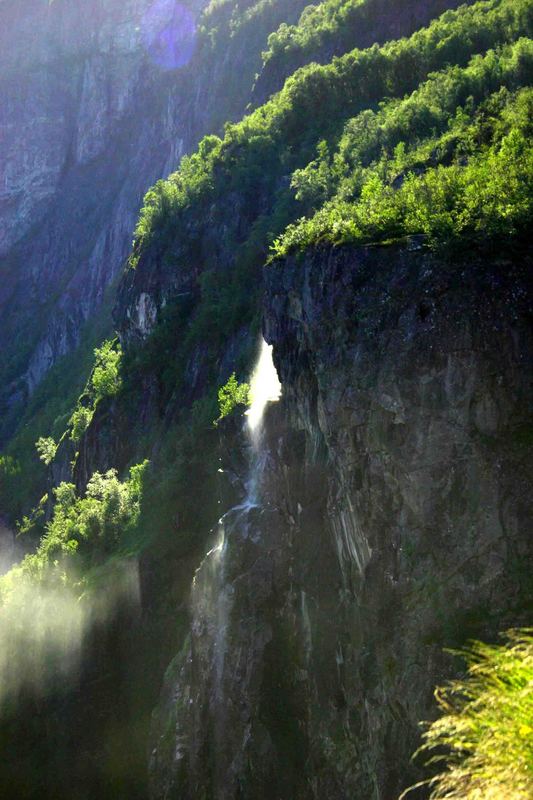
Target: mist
pixel 44 624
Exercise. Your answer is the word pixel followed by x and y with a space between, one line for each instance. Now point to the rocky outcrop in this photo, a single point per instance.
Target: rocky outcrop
pixel 392 522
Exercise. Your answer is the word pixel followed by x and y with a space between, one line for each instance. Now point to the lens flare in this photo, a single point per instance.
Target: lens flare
pixel 169 34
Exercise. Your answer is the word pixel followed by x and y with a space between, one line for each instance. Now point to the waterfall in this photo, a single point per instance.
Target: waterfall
pixel 264 388
pixel 213 591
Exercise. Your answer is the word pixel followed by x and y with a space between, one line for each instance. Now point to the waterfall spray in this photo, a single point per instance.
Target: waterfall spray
pixel 264 388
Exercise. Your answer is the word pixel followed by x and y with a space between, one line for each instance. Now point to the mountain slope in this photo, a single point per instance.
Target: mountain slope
pixel 371 217
pixel 94 111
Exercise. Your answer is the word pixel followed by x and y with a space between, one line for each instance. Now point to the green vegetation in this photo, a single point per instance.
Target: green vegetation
pixel 18 488
pixel 80 421
pixel 336 26
pixel 483 742
pixel 83 531
pixel 231 395
pixel 286 129
pixel 320 22
pixel 250 164
pixel 373 116
pixel 47 415
pixel 46 447
pixel 482 196
pixel 105 381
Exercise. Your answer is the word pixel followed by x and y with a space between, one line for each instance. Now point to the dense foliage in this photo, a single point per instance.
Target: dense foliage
pixel 231 395
pixel 85 530
pixel 317 23
pixel 452 161
pixel 333 27
pixel 281 136
pixel 105 381
pixel 483 741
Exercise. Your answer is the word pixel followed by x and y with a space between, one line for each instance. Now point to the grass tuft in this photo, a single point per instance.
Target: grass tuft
pixel 483 742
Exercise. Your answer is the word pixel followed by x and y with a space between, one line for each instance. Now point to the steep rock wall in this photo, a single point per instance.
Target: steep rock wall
pixel 393 521
pixel 89 121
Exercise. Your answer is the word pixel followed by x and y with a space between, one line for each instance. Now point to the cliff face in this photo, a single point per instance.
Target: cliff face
pixel 381 513
pixel 89 120
pixel 99 100
pixel 391 521
pixel 409 378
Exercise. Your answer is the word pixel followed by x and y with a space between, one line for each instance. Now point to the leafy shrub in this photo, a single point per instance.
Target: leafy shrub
pixel 46 447
pixel 483 742
pixel 80 421
pixel 231 395
pixel 105 381
pixel 85 529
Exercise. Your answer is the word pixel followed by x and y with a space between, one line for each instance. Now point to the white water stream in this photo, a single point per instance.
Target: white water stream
pixel 264 388
pixel 212 590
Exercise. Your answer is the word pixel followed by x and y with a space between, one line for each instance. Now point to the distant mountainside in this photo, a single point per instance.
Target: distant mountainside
pixel 94 110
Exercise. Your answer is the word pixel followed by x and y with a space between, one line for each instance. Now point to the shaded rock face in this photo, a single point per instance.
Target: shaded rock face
pixel 89 120
pixel 99 100
pixel 392 522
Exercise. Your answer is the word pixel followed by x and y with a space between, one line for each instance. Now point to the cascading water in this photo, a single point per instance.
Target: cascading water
pixel 212 594
pixel 264 388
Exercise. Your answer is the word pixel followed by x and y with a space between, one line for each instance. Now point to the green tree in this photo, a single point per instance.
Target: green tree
pixel 46 447
pixel 80 421
pixel 105 380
